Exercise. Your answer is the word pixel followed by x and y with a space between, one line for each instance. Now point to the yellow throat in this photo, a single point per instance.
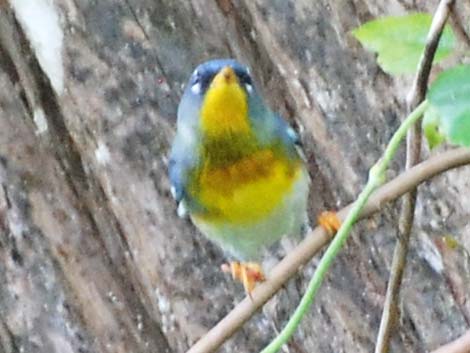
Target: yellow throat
pixel 224 109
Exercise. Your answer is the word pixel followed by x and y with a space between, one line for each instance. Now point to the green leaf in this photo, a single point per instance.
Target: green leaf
pixel 431 130
pixel 449 94
pixel 399 41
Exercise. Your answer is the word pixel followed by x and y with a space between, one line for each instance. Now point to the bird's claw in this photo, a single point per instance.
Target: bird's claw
pixel 248 273
pixel 329 221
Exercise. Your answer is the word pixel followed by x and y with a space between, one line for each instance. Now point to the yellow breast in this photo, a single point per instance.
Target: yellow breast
pixel 247 190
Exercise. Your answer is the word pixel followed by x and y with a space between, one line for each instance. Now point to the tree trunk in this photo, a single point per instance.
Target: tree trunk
pixel 92 255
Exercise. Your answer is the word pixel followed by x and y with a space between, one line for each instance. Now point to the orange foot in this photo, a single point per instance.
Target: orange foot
pixel 329 221
pixel 248 273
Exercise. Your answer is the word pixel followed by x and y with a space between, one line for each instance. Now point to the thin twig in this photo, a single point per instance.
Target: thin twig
pixel 459 28
pixel 315 241
pixel 413 151
pixel 460 345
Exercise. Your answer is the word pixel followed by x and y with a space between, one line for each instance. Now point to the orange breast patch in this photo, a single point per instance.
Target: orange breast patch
pixel 246 190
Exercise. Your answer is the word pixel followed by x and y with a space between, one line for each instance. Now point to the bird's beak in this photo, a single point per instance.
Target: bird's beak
pixel 226 76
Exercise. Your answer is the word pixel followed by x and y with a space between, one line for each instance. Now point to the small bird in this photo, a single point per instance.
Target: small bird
pixel 235 166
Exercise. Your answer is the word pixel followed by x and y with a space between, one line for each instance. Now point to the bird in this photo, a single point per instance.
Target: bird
pixel 236 167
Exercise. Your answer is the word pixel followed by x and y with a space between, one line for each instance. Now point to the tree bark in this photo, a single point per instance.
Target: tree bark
pixel 92 255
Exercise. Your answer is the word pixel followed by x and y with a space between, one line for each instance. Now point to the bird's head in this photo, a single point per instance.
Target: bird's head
pixel 220 93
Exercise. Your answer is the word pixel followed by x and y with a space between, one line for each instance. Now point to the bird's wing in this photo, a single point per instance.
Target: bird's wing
pixel 183 158
pixel 286 131
pixel 289 136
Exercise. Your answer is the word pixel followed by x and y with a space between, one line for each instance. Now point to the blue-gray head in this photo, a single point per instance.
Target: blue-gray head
pixel 201 80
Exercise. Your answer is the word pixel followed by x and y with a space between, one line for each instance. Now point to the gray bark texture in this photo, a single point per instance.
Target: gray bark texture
pixel 92 255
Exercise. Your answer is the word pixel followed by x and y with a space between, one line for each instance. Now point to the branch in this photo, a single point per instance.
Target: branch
pixel 315 241
pixel 460 345
pixel 413 151
pixel 420 84
pixel 459 28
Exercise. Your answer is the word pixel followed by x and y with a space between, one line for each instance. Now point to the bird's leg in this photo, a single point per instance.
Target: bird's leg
pixel 329 221
pixel 248 273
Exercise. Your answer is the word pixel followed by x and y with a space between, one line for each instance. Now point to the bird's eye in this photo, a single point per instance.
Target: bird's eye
pixel 196 87
pixel 245 79
pixel 196 83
